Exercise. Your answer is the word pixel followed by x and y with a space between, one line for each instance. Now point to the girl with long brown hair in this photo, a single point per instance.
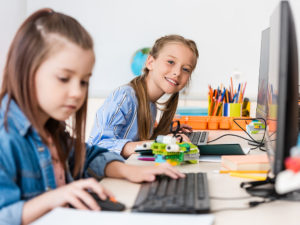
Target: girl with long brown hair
pixel 45 82
pixel 127 117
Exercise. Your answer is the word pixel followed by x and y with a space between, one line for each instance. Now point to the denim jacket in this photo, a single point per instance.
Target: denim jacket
pixel 26 168
pixel 116 120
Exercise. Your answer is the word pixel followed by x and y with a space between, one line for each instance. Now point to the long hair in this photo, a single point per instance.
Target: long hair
pixel 31 46
pixel 168 107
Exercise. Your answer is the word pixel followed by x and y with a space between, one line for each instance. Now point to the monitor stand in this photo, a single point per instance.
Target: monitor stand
pixel 266 189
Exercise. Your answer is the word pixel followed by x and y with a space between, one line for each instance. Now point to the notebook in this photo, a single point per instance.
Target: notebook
pixel 246 162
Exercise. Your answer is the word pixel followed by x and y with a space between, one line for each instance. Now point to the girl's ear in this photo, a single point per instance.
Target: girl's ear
pixel 149 62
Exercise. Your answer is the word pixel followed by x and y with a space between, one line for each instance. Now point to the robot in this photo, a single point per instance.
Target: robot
pixel 166 149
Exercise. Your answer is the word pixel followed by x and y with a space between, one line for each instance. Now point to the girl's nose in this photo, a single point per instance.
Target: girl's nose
pixel 76 91
pixel 176 71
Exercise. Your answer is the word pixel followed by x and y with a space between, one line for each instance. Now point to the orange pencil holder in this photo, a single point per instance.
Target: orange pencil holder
pixel 196 122
pixel 225 123
pixel 214 122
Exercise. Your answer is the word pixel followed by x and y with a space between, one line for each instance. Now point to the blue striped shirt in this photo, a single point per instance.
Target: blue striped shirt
pixel 116 120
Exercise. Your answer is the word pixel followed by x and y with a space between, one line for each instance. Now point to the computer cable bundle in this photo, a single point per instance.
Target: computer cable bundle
pixel 257 144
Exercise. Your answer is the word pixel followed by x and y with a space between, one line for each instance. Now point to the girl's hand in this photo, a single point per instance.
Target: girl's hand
pixel 184 138
pixel 181 137
pixel 139 174
pixel 76 194
pixel 186 128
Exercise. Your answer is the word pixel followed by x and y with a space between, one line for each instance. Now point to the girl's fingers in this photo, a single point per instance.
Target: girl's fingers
pixel 77 203
pixel 150 178
pixel 92 184
pixel 185 130
pixel 166 168
pixel 176 172
pixel 77 194
pixel 107 192
pixel 171 174
pixel 103 193
pixel 186 127
pixel 185 138
pixel 87 199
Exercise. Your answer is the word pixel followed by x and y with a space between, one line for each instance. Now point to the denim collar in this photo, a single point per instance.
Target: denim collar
pixel 15 115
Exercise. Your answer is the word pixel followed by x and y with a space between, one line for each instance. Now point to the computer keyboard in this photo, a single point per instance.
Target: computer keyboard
pixel 198 137
pixel 167 195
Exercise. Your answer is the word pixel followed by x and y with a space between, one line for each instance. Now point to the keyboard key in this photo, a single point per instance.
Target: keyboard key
pixel 189 199
pixel 201 191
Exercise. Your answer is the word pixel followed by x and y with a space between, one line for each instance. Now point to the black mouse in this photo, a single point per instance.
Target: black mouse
pixel 108 204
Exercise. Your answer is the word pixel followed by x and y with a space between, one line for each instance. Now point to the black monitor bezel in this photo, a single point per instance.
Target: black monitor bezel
pixel 287 107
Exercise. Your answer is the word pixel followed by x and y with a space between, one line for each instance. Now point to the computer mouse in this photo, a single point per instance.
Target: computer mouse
pixel 110 204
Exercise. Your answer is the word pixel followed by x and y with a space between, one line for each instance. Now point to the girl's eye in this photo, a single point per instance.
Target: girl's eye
pixel 63 79
pixel 171 62
pixel 186 70
pixel 84 83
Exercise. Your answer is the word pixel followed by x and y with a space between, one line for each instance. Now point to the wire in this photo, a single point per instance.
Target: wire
pixel 254 142
pixel 224 135
pixel 251 205
pixel 229 209
pixel 262 141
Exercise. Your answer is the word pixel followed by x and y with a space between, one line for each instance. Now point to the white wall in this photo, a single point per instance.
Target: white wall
pixel 227 34
pixel 12 13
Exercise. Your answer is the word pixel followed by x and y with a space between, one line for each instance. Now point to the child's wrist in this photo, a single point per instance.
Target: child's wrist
pixel 116 169
pixel 128 149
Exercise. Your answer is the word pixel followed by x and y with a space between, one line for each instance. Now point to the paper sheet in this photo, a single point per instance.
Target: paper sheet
pixel 79 217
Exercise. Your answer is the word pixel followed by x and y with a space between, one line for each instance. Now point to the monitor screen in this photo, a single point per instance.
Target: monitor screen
pixel 262 102
pixel 282 128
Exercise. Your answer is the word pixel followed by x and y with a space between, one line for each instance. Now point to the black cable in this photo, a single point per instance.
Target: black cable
pixel 234 120
pixel 251 204
pixel 224 135
pixel 229 209
pixel 256 203
pixel 256 146
pixel 262 149
pixel 272 134
pixel 259 144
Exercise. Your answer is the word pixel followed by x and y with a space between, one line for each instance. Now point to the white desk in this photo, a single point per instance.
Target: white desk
pixel 220 185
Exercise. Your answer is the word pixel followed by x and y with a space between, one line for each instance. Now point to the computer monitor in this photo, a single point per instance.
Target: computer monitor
pixel 282 128
pixel 262 102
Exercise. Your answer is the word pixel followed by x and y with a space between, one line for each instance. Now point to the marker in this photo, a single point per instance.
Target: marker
pixel 146 158
pixel 231 87
pixel 243 171
pixel 243 175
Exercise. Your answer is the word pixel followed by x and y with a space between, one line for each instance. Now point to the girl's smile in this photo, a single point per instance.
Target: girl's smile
pixel 173 82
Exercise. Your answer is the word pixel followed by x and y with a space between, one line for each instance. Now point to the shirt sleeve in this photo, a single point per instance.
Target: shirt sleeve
pixel 97 159
pixel 112 120
pixel 11 206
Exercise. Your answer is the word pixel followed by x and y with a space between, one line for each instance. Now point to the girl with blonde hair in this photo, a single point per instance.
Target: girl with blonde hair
pixel 127 117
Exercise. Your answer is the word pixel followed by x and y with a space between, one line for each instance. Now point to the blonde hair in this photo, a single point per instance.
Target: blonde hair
pixel 31 46
pixel 168 107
